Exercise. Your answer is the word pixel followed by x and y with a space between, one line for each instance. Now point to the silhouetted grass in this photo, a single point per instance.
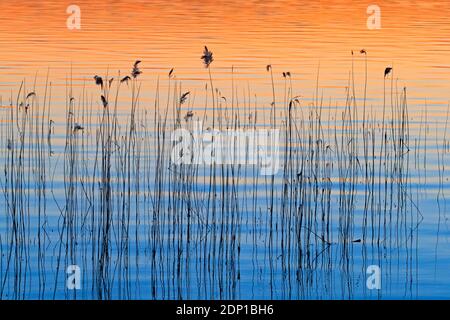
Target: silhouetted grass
pixel 141 226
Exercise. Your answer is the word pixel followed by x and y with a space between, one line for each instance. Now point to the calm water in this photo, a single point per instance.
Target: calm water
pixel 147 236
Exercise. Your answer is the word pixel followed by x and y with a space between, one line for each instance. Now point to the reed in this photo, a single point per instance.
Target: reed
pixel 98 189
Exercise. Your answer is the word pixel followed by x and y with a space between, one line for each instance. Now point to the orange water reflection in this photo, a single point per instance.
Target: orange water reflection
pixel 291 35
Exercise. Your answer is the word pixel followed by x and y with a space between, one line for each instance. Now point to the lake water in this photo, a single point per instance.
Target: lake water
pixel 363 177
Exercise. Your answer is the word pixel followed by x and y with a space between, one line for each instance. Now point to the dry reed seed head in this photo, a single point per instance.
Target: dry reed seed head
pixel 387 71
pixel 125 79
pixel 98 81
pixel 184 96
pixel 207 57
pixel 31 94
pixel 188 115
pixel 104 101
pixel 136 71
pixel 268 67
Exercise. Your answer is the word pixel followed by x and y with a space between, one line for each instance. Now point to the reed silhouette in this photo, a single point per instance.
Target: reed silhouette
pixel 109 198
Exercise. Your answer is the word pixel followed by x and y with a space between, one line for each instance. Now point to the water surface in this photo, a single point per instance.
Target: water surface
pixel 156 250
